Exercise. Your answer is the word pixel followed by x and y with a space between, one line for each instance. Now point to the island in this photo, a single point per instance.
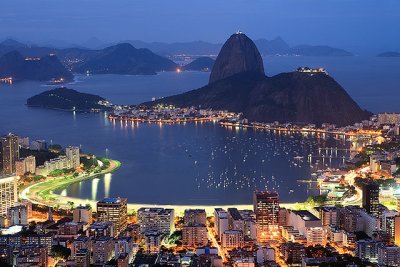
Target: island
pixel 69 100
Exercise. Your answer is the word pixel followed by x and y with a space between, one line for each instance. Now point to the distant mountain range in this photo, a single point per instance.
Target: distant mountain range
pixel 266 47
pixel 124 59
pixel 238 84
pixel 131 57
pixel 389 54
pixel 13 64
pixel 118 59
pixel 275 46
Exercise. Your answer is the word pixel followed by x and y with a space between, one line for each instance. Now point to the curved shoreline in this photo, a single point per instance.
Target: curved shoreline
pixel 35 194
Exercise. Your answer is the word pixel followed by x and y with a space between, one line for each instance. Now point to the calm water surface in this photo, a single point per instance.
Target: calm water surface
pixel 193 163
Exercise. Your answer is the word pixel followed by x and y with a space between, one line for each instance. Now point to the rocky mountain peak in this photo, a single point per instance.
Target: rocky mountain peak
pixel 238 54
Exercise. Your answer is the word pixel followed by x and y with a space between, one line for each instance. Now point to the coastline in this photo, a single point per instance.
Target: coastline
pixel 38 192
pixel 42 193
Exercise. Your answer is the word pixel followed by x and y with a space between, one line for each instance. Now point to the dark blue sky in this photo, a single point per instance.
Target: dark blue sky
pixel 358 25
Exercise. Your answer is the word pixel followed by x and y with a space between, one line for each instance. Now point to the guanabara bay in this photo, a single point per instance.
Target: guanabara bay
pixel 199 133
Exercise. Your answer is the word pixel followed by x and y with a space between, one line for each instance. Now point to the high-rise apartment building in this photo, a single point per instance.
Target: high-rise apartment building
pixel 113 210
pixel 370 197
pixel 8 193
pixel 194 236
pixel 17 215
pixel 266 208
pixel 73 156
pixel 195 217
pixel 221 223
pixel 10 153
pixel 83 214
pixel 26 165
pixel 156 219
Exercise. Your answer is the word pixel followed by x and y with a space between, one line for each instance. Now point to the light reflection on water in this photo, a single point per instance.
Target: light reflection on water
pixel 155 165
pixel 207 163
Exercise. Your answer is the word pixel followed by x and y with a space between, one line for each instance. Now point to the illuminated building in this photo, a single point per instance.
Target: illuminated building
pixel 244 263
pixel 293 252
pixel 103 249
pixel 18 215
pixel 389 256
pixel 194 236
pixel 308 226
pixel 122 260
pixel 195 217
pixel 73 156
pixel 397 230
pixel 221 222
pixel 124 246
pixel 28 206
pixel 83 214
pixel 10 153
pixel 266 208
pixel 8 193
pixel 39 145
pixel 82 258
pixel 370 197
pixel 25 165
pixel 113 210
pixel 81 242
pixel 235 220
pixel 232 239
pixel 30 255
pixel 98 229
pixel 368 250
pixel 156 219
pixel 152 240
pixel 329 216
pixel 388 118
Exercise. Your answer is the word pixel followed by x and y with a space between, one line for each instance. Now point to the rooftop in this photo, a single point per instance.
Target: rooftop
pixel 306 215
pixel 113 200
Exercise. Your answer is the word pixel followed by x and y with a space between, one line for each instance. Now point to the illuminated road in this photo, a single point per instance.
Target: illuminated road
pixel 214 243
pixel 33 192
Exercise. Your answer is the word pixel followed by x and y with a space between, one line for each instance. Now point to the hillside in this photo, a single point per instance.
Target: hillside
pixel 67 99
pixel 46 68
pixel 125 59
pixel 238 84
pixel 200 64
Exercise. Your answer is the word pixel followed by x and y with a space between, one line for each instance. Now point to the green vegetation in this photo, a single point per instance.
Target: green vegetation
pixel 44 191
pixel 67 99
pixel 316 200
pixel 36 178
pixel 60 172
pixel 56 148
pixel 88 162
pixel 106 163
pixel 60 251
pixel 174 238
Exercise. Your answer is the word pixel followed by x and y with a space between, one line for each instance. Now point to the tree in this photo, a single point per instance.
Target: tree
pixel 71 204
pixel 60 251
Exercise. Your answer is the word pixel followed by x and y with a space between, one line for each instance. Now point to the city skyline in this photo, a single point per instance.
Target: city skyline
pixel 284 155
